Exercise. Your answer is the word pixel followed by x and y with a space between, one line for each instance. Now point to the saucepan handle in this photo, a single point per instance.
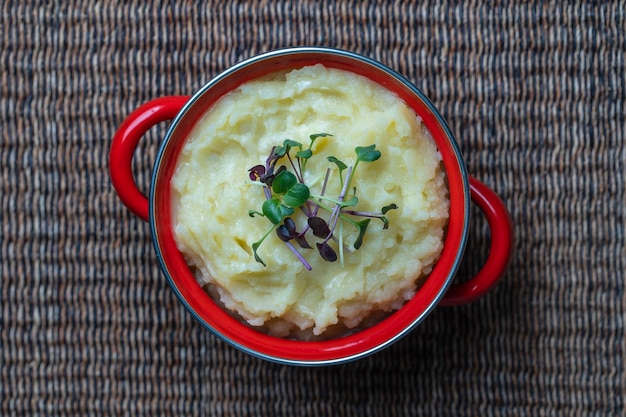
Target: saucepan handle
pixel 500 252
pixel 125 141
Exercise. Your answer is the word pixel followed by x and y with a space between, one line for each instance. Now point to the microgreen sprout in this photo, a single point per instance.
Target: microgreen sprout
pixel 287 194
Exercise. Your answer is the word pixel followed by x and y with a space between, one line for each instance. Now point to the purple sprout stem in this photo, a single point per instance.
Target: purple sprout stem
pixel 334 216
pixel 314 212
pixel 271 160
pixel 295 251
pixel 300 169
pixel 298 173
pixel 364 214
pixel 323 191
pixel 268 192
pixel 306 209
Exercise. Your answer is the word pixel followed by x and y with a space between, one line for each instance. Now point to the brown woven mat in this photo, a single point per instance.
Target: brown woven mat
pixel 535 93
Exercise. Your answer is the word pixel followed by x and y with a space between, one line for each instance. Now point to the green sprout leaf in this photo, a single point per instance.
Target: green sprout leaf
pixel 337 162
pixel 286 211
pixel 352 202
pixel 385 209
pixel 287 145
pixel 367 153
pixel 362 226
pixel 272 210
pixel 283 182
pixel 297 195
pixel 291 143
pixel 253 213
pixel 305 154
pixel 318 135
pixel 340 165
pixel 255 247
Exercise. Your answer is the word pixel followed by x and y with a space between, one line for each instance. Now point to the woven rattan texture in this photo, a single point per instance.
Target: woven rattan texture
pixel 535 93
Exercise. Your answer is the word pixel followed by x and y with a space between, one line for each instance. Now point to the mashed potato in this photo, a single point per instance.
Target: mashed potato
pixel 213 194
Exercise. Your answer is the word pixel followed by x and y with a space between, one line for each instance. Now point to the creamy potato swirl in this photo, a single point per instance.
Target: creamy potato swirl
pixel 212 195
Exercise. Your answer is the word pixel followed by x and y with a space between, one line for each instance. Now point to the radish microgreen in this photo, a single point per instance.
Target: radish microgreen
pixel 286 193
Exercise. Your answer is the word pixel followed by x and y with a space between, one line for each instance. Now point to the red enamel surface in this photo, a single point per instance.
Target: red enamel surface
pixel 500 250
pixel 125 142
pixel 195 298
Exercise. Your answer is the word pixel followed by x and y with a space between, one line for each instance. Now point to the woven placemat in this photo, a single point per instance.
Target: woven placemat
pixel 535 93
